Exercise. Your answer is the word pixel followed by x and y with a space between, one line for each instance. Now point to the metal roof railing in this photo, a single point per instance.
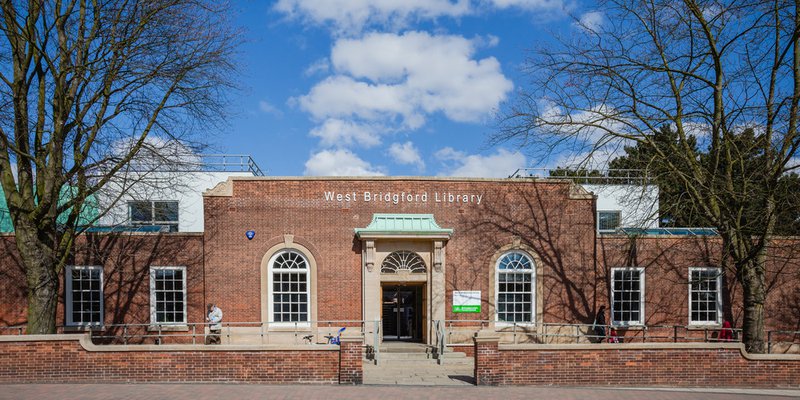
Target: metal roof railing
pixel 588 176
pixel 230 163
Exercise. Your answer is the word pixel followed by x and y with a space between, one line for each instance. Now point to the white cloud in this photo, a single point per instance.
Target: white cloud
pixel 543 5
pixel 340 133
pixel 404 78
pixel 268 108
pixel 350 16
pixel 407 154
pixel 353 16
pixel 320 66
pixel 499 165
pixel 590 21
pixel 339 163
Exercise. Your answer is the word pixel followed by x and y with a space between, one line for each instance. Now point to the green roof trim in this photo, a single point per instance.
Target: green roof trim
pixel 403 225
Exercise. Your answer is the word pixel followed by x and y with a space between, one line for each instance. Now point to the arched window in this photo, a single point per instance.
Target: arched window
pixel 289 281
pixel 514 283
pixel 403 261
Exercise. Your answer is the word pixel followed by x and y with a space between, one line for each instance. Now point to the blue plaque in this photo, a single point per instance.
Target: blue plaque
pixel 250 235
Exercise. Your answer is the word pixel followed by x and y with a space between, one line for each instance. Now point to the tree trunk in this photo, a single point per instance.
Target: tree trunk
pixel 754 292
pixel 41 270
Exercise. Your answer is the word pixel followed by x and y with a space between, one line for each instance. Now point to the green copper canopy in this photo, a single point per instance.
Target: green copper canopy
pixel 403 225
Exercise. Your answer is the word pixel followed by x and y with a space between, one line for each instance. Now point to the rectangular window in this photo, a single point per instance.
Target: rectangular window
pixel 168 295
pixel 514 300
pixel 627 296
pixel 608 221
pixel 156 213
pixel 290 296
pixel 705 300
pixel 84 295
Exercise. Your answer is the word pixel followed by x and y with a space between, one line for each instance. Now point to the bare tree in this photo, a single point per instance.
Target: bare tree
pixel 86 85
pixel 712 69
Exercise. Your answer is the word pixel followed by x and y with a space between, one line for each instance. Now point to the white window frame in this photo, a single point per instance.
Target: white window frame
pixel 719 296
pixel 497 271
pixel 642 295
pixel 68 294
pixel 608 211
pixel 270 290
pixel 153 270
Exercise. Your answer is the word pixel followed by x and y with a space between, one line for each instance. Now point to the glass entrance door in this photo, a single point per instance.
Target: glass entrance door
pixel 401 313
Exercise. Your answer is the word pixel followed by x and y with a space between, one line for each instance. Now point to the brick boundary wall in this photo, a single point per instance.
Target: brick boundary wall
pixel 351 370
pixel 649 364
pixel 74 359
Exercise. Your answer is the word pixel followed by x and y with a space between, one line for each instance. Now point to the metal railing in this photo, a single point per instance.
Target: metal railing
pixel 606 176
pixel 516 333
pixel 230 163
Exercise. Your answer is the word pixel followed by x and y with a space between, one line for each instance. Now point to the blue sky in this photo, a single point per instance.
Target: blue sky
pixel 385 87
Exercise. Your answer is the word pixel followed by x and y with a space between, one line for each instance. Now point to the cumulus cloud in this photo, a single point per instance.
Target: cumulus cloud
pixel 353 16
pixel 267 108
pixel 501 164
pixel 339 163
pixel 341 133
pixel 406 154
pixel 404 78
pixel 320 66
pixel 590 21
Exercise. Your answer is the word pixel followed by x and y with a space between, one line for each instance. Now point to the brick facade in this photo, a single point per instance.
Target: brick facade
pixel 632 365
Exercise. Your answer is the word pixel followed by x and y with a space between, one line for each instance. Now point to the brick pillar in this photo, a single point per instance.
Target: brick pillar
pixel 351 370
pixel 487 358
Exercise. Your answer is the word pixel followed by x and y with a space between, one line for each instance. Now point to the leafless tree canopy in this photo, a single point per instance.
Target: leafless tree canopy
pixel 708 69
pixel 84 87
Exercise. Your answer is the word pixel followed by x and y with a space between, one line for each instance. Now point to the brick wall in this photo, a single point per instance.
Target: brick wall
pixel 683 365
pixel 542 216
pixel 66 358
pixel 351 371
pixel 126 260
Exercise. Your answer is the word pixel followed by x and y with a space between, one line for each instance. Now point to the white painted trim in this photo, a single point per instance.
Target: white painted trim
pixel 270 277
pixel 642 296
pixel 718 322
pixel 497 321
pixel 68 295
pixel 152 274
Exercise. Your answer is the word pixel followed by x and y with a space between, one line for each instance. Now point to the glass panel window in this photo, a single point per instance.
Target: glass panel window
pixel 514 285
pixel 168 295
pixel 155 213
pixel 705 304
pixel 608 221
pixel 84 295
pixel 627 296
pixel 290 287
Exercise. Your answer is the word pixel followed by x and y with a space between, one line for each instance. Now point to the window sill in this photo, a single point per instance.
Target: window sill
pixel 168 328
pixel 83 328
pixel 702 327
pixel 630 327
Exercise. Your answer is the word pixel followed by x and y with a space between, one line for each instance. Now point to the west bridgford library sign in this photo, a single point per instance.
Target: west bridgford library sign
pixel 404 197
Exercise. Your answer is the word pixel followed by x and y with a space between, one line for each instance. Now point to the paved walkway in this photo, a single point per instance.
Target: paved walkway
pixel 233 391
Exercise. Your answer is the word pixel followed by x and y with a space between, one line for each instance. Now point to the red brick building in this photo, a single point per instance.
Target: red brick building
pixel 281 255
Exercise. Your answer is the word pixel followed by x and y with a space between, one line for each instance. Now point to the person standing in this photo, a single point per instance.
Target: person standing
pixel 214 319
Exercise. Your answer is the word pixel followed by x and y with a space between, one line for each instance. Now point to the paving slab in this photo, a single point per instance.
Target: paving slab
pixel 372 392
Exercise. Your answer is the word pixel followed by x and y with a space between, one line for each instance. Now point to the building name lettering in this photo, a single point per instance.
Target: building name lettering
pixel 405 197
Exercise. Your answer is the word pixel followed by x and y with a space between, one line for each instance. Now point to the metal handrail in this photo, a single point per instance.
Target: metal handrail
pixel 543 331
pixel 230 163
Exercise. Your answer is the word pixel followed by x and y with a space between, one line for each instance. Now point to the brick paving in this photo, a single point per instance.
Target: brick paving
pixel 244 391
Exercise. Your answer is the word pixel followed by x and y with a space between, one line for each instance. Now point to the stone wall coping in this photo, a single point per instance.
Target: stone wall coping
pixel 648 346
pixel 86 342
